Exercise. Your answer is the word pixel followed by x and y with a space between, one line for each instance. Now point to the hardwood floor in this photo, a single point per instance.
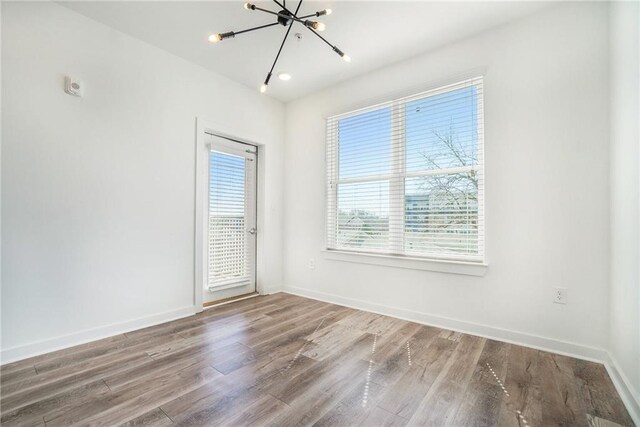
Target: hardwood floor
pixel 283 360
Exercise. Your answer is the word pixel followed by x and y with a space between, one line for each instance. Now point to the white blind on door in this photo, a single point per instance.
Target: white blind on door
pixel 230 248
pixel 406 177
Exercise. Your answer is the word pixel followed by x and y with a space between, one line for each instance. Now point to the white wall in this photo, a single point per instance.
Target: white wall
pixel 547 183
pixel 625 193
pixel 98 192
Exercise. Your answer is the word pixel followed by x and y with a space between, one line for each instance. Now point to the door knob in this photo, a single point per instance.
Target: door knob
pixel 252 230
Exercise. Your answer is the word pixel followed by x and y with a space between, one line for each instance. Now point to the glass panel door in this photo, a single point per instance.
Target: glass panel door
pixel 231 223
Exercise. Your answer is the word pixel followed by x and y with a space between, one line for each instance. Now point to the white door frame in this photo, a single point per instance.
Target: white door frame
pixel 204 127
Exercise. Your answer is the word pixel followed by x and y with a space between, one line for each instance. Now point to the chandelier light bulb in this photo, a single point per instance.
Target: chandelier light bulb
pixel 343 55
pixel 249 6
pixel 328 11
pixel 263 88
pixel 315 25
pixel 215 38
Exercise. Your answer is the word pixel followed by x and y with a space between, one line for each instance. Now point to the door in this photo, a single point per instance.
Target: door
pixel 231 223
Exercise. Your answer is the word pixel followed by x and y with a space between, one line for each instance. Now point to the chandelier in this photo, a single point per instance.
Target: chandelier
pixel 286 18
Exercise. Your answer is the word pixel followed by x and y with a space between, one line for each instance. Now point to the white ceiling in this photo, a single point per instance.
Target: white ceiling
pixel 374 34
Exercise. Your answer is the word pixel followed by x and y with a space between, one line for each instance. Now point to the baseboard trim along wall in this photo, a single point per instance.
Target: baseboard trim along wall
pixel 629 396
pixel 14 354
pixel 541 343
pixel 579 351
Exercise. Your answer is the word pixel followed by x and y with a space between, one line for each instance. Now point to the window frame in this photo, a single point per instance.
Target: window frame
pixel 396 250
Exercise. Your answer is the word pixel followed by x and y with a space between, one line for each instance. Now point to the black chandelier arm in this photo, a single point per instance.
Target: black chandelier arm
pixel 285 8
pixel 281 15
pixel 321 38
pixel 280 50
pixel 332 46
pixel 297 8
pixel 275 61
pixel 293 14
pixel 316 14
pixel 255 28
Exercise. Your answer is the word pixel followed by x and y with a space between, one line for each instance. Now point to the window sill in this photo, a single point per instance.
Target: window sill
pixel 442 266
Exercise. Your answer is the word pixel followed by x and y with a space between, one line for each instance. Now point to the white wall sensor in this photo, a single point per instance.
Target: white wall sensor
pixel 73 86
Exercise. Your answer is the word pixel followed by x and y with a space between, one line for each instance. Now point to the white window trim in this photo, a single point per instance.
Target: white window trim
pixel 414 263
pixel 431 262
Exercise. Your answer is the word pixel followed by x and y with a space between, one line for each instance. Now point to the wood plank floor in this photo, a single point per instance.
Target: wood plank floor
pixel 283 360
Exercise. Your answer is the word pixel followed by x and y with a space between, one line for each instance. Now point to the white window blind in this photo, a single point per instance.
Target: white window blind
pixel 231 249
pixel 406 177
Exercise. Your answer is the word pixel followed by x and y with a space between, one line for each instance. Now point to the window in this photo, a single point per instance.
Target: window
pixel 406 177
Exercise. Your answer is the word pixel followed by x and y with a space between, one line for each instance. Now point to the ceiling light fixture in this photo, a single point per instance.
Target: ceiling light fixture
pixel 285 18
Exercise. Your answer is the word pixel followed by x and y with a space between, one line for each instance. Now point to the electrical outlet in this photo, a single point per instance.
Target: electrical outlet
pixel 311 264
pixel 560 295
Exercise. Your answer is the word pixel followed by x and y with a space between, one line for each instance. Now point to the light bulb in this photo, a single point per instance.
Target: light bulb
pixel 347 58
pixel 247 6
pixel 263 88
pixel 215 38
pixel 328 11
pixel 315 25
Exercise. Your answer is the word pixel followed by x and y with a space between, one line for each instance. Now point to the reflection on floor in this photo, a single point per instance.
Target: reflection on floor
pixel 286 360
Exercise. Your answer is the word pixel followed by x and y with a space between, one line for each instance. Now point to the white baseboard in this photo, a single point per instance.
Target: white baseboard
pixel 628 394
pixel 541 343
pixel 25 351
pixel 13 354
pixel 271 291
